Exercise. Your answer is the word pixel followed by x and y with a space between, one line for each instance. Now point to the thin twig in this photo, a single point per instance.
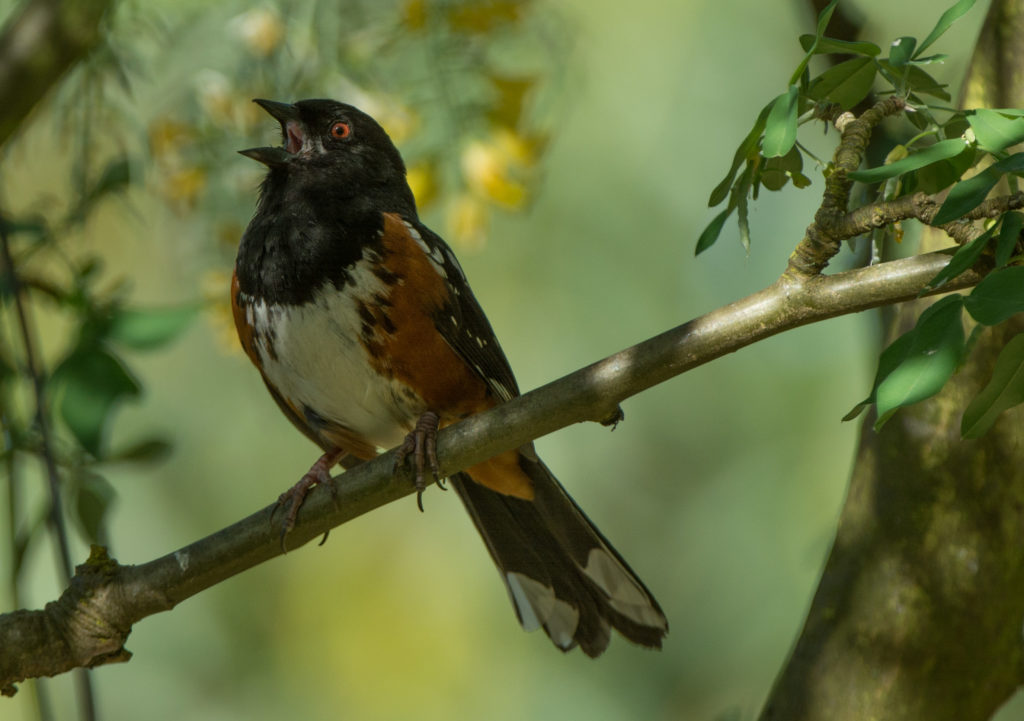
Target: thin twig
pixel 87 703
pixel 919 206
pixel 32 368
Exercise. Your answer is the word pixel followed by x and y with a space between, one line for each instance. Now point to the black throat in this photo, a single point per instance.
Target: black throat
pixel 304 235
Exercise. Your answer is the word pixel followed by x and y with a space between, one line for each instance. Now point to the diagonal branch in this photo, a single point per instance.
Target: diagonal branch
pixel 91 621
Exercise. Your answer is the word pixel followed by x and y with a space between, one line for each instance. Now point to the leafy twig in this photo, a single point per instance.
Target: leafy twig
pixel 56 514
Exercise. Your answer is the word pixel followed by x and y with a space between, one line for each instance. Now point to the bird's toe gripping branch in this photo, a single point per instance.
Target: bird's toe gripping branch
pixel 421 443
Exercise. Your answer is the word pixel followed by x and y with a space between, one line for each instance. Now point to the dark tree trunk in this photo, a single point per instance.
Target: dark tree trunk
pixel 919 611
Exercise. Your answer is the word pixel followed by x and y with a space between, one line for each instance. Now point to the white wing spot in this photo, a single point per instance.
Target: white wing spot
pixel 433 254
pixel 624 595
pixel 412 231
pixel 455 263
pixel 503 392
pixel 538 606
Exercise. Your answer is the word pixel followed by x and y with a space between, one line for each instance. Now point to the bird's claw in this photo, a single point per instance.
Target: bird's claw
pixel 292 499
pixel 421 443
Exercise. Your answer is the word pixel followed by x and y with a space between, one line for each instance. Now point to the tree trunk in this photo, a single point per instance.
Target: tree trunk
pixel 919 611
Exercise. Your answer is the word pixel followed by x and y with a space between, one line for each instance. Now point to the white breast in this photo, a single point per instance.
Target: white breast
pixel 312 355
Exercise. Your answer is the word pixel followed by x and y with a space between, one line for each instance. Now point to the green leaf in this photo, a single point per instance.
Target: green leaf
pixel 845 84
pixel 92 382
pixel 933 353
pixel 964 258
pixel 7 370
pixel 712 231
pixel 116 176
pixel 144 451
pixel 837 47
pixel 776 172
pixel 780 127
pixel 956 125
pixel 901 50
pixel 93 498
pixel 972 340
pixel 995 131
pixel 888 361
pixel 969 194
pixel 921 82
pixel 1009 236
pixel 942 150
pixel 1004 391
pixel 823 19
pixel 743 221
pixel 931 59
pixel 32 226
pixel 857 410
pixel 150 328
pixel 747 150
pixel 800 180
pixel 939 176
pixel 998 296
pixel 947 19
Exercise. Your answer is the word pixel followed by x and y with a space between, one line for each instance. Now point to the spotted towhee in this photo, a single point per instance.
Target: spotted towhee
pixel 367 335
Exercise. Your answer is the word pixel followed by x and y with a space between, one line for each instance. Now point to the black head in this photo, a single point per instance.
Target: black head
pixel 335 146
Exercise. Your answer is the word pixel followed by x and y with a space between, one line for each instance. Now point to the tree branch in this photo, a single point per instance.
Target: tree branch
pixel 824 235
pixel 919 206
pixel 90 623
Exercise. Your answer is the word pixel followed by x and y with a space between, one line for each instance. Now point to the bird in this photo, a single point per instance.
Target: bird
pixel 364 329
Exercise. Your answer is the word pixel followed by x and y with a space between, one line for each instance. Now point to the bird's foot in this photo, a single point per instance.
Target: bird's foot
pixel 421 443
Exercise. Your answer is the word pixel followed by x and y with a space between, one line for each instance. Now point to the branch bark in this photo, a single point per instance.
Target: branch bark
pixel 90 623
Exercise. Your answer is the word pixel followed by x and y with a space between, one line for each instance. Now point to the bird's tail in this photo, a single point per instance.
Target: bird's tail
pixel 561 573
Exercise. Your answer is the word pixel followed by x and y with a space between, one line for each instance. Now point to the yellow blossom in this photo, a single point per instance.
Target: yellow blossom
pixel 494 168
pixel 468 221
pixel 422 179
pixel 215 97
pixel 182 187
pixel 261 30
pixel 167 136
pixel 215 289
pixel 414 14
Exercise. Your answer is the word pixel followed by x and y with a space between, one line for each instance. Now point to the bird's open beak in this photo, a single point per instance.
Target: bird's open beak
pixel 291 128
pixel 281 112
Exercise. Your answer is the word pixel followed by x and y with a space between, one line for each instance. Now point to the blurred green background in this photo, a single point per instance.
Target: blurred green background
pixel 721 488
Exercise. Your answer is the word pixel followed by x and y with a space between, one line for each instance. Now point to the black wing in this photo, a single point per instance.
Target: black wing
pixel 462 322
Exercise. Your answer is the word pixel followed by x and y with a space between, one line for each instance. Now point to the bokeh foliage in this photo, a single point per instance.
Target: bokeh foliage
pixel 474 91
pixel 475 151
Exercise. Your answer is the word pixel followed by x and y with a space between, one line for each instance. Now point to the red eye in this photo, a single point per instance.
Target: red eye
pixel 341 130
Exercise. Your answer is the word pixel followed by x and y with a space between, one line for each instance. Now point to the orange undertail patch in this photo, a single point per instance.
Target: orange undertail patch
pixel 504 475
